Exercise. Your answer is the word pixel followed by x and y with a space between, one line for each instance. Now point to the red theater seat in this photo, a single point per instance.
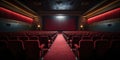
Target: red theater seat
pixel 17 49
pixel 33 38
pixel 44 40
pixel 22 38
pixel 86 38
pixel 5 53
pixel 32 49
pixel 75 40
pixel 86 49
pixel 114 51
pixel 101 48
pixel 96 38
pixel 12 38
pixel 3 38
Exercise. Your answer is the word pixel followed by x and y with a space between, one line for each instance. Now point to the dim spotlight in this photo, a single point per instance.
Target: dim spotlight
pixel 38 26
pixel 60 17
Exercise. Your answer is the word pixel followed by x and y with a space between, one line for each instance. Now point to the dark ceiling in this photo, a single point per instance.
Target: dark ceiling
pixel 42 7
pixel 60 5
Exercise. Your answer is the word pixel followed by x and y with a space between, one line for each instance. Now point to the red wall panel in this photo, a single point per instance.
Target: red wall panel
pixel 105 16
pixel 53 24
pixel 13 15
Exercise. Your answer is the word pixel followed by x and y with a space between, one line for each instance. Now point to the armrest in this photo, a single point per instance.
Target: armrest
pixel 76 46
pixel 49 41
pixel 70 41
pixel 41 46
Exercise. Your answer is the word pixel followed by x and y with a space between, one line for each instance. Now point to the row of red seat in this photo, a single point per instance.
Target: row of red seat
pixel 89 45
pixel 99 49
pixel 23 50
pixel 75 36
pixel 23 33
pixel 28 35
pixel 24 46
pixel 90 34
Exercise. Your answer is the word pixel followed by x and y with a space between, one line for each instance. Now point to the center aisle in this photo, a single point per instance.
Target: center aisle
pixel 60 50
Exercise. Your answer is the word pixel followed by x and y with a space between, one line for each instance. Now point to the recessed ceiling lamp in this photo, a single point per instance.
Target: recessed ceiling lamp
pixel 60 17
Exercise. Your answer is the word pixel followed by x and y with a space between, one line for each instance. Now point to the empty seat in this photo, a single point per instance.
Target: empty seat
pixel 53 37
pixel 115 37
pixel 107 37
pixel 96 38
pixel 114 51
pixel 86 38
pixel 17 49
pixel 86 49
pixel 33 38
pixel 44 40
pixel 22 38
pixel 5 53
pixel 32 48
pixel 75 40
pixel 12 38
pixel 3 37
pixel 115 44
pixel 3 44
pixel 101 48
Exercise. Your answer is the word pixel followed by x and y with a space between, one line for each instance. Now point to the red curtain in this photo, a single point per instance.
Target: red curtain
pixel 53 24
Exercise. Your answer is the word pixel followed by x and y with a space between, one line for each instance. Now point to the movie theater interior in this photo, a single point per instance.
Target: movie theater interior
pixel 59 29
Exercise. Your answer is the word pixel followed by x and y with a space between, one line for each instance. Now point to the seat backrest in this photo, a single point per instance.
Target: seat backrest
pixel 5 53
pixel 86 49
pixel 22 38
pixel 106 37
pixel 115 44
pixel 86 43
pixel 15 46
pixel 17 49
pixel 101 47
pixel 75 40
pixel 33 38
pixel 3 44
pixel 96 38
pixel 12 38
pixel 32 49
pixel 44 40
pixel 86 38
pixel 115 49
pixel 3 37
pixel 115 37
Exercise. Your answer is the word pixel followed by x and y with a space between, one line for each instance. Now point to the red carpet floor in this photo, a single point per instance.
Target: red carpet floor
pixel 59 50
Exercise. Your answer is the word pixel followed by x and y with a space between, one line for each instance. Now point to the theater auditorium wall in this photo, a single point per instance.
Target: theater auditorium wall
pixel 7 25
pixel 107 21
pixel 111 25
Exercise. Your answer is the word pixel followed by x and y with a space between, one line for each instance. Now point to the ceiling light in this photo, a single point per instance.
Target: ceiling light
pixel 60 17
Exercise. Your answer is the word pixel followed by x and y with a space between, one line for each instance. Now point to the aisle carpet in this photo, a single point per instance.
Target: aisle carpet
pixel 59 50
